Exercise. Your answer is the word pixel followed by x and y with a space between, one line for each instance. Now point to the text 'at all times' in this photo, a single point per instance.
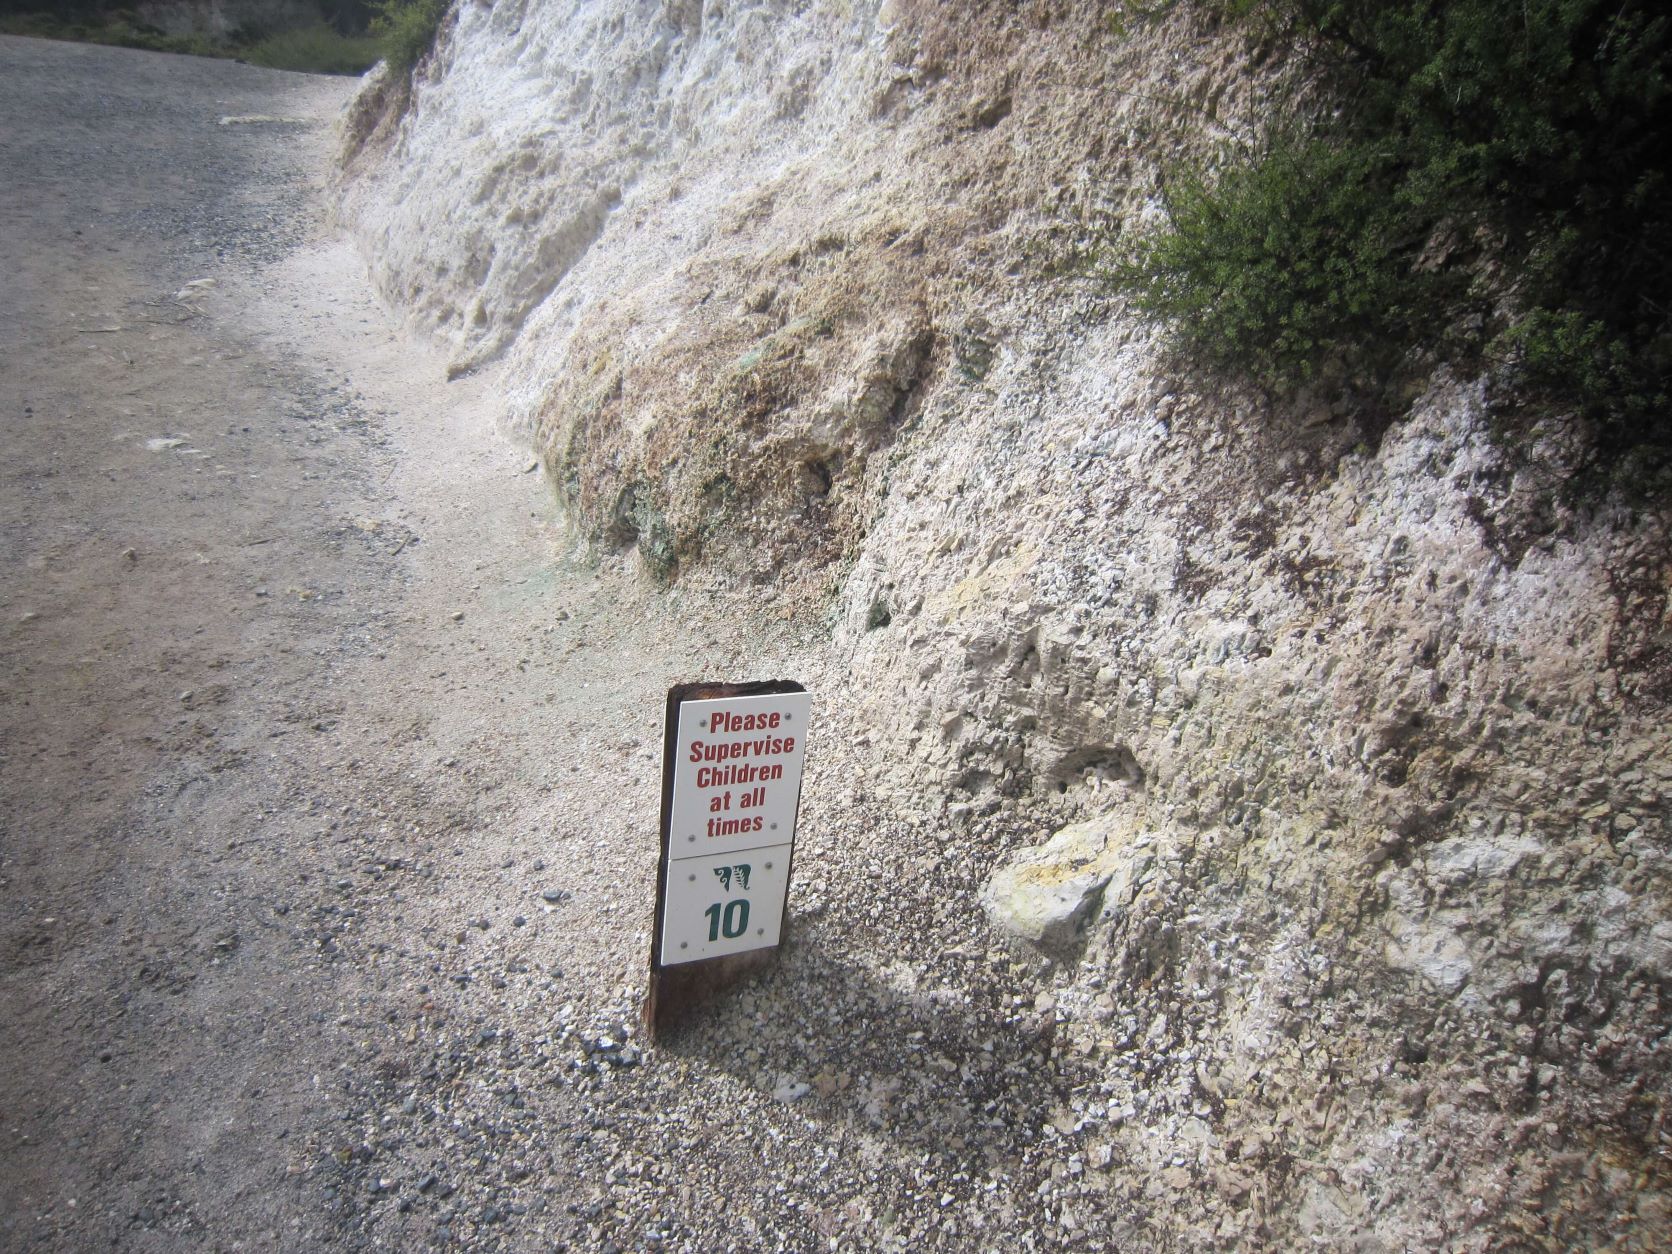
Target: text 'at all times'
pixel 724 819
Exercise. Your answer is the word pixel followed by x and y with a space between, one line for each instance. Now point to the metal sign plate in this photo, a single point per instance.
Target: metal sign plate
pixel 724 904
pixel 736 783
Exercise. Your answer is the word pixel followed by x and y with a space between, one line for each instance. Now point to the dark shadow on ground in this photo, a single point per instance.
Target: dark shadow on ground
pixel 951 1070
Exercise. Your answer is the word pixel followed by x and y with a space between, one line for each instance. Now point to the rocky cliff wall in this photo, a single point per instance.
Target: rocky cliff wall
pixel 1366 935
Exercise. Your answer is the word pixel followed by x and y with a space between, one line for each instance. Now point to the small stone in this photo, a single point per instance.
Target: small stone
pixel 791 1091
pixel 1047 895
pixel 555 895
pixel 1232 1185
pixel 458 616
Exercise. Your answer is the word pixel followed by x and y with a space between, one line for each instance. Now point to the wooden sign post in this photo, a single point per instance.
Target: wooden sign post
pixel 731 786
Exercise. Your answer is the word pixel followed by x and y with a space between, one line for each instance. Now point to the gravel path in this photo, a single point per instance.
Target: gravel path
pixel 330 782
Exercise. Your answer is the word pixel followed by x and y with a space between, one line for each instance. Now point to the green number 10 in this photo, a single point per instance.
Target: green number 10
pixel 732 924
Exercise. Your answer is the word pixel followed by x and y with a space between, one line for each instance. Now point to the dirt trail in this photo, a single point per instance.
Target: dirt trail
pixel 289 704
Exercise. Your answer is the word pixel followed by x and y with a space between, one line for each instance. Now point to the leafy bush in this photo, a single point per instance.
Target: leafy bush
pixel 1482 176
pixel 1281 263
pixel 406 30
pixel 317 49
pixel 327 47
pixel 118 29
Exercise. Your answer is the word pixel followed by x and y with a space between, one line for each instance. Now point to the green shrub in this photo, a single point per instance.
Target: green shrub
pixel 1279 264
pixel 1481 177
pixel 117 29
pixel 318 49
pixel 406 30
pixel 315 49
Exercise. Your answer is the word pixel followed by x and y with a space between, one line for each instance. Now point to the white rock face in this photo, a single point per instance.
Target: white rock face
pixel 786 298
pixel 542 127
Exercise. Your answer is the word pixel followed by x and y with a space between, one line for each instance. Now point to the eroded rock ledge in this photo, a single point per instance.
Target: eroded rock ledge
pixel 785 300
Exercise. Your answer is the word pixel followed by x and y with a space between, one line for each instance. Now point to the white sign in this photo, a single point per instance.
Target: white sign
pixel 736 785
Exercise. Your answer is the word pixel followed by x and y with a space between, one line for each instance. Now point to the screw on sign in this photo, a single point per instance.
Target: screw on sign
pixel 731 787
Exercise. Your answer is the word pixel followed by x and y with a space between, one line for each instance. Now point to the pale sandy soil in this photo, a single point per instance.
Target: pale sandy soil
pixel 242 726
pixel 307 708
